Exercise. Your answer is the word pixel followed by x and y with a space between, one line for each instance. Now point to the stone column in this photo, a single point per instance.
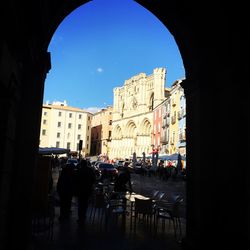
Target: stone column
pixel 20 137
pixel 215 165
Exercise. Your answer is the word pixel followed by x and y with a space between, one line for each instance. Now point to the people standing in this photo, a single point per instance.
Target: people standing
pixel 179 166
pixel 84 182
pixel 160 169
pixel 123 181
pixel 65 190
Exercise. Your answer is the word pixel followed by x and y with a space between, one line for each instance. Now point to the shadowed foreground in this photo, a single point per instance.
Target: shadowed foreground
pixel 98 233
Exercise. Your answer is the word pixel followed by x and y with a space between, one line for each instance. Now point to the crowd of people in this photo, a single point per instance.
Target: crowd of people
pixel 79 181
pixel 164 169
pixel 75 181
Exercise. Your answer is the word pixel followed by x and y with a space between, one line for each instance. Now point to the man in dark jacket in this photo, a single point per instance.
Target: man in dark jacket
pixel 65 190
pixel 84 182
pixel 123 181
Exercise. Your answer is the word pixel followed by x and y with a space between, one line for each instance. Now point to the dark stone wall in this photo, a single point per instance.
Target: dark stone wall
pixel 213 41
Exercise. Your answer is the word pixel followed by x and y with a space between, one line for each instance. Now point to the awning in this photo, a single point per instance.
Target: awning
pixel 171 157
pixel 53 150
pixel 181 145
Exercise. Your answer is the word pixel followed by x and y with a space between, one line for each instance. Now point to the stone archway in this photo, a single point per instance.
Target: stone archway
pixel 144 137
pixel 213 48
pixel 130 138
pixel 116 139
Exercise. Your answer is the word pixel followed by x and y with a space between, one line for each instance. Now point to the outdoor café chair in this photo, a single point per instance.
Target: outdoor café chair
pixel 170 211
pixel 144 212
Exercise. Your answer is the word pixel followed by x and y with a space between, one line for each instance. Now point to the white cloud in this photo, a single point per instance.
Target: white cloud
pixel 99 70
pixel 92 109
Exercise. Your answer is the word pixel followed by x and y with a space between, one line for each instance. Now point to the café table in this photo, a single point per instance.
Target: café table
pixel 130 197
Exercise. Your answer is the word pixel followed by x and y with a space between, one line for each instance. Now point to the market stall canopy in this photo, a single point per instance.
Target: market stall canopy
pixel 172 157
pixel 53 150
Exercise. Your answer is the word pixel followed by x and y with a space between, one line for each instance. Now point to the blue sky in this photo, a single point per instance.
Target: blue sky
pixel 103 43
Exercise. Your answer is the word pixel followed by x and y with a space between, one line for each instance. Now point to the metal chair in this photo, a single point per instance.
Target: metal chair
pixel 116 209
pixel 159 195
pixel 170 211
pixel 144 212
pixel 154 194
pixel 98 208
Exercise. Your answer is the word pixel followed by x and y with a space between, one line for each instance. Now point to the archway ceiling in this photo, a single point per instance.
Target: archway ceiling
pixel 37 21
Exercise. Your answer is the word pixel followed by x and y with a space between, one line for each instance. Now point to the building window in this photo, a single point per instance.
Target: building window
pixel 57 144
pixel 59 124
pixel 89 118
pixel 79 126
pixel 44 122
pixel 59 113
pixel 58 135
pixel 173 137
pixel 68 145
pixel 80 116
pixel 88 127
pixel 44 113
pixel 70 115
pixel 78 137
pixel 87 138
pixel 110 134
pixel 87 146
pixel 44 132
pixel 110 122
pixel 69 125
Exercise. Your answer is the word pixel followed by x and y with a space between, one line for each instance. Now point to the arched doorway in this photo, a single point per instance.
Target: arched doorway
pixel 208 56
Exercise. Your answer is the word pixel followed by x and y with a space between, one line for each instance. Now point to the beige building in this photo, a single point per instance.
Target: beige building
pixel 101 129
pixel 63 126
pixel 133 106
pixel 176 112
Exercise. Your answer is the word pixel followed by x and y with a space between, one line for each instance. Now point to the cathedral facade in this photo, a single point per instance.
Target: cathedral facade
pixel 133 106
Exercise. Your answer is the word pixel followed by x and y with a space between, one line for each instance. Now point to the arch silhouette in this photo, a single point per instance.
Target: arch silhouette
pixel 213 46
pixel 130 129
pixel 117 133
pixel 145 127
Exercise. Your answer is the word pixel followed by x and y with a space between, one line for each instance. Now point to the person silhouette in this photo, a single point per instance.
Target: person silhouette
pixel 65 190
pixel 123 181
pixel 84 181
